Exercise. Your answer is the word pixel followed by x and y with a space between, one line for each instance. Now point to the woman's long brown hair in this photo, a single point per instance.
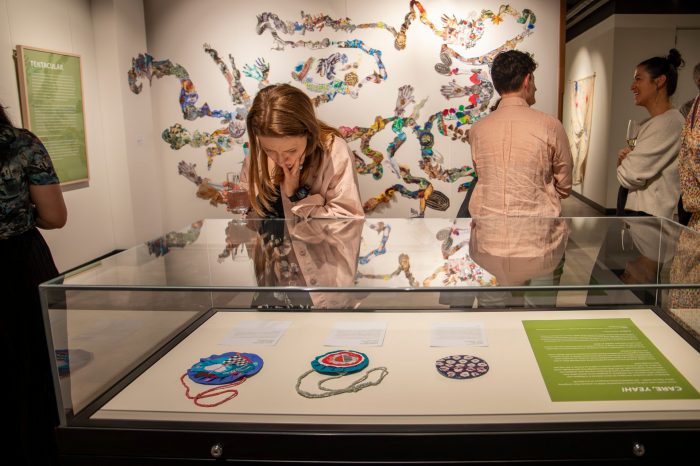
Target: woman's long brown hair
pixel 277 111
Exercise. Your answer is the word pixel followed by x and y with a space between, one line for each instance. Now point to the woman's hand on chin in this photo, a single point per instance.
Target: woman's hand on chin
pixel 290 183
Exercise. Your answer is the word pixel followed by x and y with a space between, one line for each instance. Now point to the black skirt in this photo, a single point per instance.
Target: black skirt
pixel 25 262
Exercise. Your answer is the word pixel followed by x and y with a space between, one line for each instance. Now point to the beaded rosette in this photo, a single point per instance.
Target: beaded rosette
pixel 337 364
pixel 461 366
pixel 340 362
pixel 224 371
pixel 219 369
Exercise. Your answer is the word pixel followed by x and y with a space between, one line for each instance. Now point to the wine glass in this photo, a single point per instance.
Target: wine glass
pixel 622 192
pixel 632 133
pixel 236 195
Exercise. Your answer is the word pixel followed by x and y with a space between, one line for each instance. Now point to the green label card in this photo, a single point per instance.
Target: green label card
pixel 55 104
pixel 603 359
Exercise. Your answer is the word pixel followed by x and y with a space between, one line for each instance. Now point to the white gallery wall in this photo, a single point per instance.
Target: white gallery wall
pixel 611 50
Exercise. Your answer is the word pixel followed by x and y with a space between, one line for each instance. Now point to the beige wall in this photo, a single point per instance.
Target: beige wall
pixel 135 179
pixel 591 53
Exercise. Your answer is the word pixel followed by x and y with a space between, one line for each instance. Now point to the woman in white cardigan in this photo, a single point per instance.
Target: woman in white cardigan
pixel 650 170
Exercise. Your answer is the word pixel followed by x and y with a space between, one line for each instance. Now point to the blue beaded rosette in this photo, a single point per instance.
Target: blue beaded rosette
pixel 225 368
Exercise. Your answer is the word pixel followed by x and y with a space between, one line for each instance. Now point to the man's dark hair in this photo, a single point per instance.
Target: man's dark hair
pixel 509 70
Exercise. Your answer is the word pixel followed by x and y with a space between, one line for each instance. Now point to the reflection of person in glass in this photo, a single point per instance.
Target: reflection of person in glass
pixel 648 249
pixel 319 253
pixel 519 251
pixel 634 251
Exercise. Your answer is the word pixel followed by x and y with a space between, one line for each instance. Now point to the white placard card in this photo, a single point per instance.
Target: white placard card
pixel 257 332
pixel 351 334
pixel 458 334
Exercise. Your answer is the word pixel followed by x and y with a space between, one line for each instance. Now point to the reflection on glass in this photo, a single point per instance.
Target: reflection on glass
pixel 612 261
pixel 238 236
pixel 305 254
pixel 428 254
pixel 519 251
pixel 637 252
pixel 174 239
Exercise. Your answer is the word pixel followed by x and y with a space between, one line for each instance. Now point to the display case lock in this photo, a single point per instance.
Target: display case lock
pixel 217 450
pixel 638 449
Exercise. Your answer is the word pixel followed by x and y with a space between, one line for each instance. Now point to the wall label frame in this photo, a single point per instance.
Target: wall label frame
pixel 52 104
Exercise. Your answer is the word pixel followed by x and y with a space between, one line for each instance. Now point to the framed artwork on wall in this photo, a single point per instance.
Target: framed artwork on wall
pixel 51 99
pixel 580 120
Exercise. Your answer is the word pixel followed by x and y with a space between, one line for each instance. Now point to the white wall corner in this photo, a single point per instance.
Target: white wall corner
pixel 135 196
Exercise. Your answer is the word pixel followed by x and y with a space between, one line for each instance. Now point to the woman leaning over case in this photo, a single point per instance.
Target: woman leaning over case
pixel 298 165
pixel 650 170
pixel 30 197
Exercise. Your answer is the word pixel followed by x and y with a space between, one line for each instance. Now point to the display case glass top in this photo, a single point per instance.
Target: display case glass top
pixel 407 254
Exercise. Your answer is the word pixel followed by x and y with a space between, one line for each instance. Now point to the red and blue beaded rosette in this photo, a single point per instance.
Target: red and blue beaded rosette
pixel 225 370
pixel 461 366
pixel 340 362
pixel 337 364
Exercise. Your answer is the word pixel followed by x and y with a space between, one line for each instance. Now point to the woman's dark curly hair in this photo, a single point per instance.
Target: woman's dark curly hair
pixel 665 66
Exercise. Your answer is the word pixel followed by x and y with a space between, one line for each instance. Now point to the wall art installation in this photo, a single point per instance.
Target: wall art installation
pixel 403 81
pixel 580 123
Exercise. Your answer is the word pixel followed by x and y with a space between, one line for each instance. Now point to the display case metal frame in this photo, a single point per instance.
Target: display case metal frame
pixel 84 440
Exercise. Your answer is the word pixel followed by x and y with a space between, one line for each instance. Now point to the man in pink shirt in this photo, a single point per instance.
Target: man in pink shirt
pixel 521 155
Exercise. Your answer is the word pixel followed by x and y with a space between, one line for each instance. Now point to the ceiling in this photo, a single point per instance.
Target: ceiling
pixel 581 15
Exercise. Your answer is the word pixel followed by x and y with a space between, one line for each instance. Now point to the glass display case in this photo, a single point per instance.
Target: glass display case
pixel 383 340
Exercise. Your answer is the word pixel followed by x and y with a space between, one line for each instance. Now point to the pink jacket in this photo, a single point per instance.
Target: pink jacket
pixel 334 194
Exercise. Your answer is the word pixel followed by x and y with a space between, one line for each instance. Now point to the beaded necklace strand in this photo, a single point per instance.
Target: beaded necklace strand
pixel 212 392
pixel 354 387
